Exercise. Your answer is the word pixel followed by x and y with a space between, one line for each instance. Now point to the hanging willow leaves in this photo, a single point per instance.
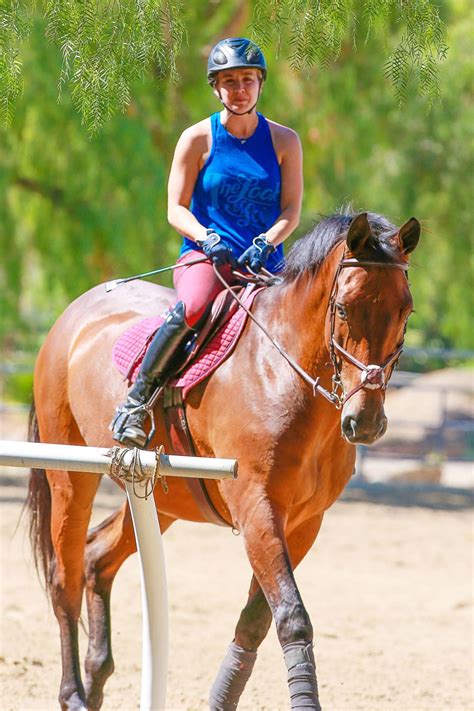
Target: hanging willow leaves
pixel 107 44
pixel 13 28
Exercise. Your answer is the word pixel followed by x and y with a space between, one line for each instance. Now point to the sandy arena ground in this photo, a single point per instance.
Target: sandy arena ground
pixel 388 589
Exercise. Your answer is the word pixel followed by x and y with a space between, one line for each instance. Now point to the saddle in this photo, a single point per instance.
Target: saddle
pixel 214 343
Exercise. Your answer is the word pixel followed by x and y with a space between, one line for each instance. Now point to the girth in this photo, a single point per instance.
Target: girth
pixel 182 443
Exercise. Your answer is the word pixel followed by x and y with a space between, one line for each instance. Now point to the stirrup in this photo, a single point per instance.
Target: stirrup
pixel 130 433
pixel 134 434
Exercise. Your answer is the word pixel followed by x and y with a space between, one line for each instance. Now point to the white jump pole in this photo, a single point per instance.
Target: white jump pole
pixel 146 527
pixel 98 460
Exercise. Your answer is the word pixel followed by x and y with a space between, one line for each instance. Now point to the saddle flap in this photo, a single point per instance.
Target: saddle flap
pixel 223 308
pixel 214 344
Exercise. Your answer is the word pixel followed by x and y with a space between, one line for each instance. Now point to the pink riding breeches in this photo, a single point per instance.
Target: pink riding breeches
pixel 197 285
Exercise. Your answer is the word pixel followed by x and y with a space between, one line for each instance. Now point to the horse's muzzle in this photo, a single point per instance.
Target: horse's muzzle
pixel 359 428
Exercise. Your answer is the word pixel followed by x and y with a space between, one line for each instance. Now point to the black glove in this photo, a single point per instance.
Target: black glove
pixel 218 252
pixel 257 254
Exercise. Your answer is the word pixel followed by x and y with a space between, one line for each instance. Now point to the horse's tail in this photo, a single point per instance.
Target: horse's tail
pixel 38 506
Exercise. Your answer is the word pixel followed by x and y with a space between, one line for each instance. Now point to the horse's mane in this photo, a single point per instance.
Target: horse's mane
pixel 309 252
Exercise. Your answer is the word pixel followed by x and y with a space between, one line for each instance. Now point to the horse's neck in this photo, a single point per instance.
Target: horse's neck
pixel 297 311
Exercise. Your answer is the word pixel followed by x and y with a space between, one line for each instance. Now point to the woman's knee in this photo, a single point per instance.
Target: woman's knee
pixel 194 311
pixel 196 287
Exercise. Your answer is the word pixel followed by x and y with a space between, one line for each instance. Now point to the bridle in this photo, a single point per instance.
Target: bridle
pixel 372 376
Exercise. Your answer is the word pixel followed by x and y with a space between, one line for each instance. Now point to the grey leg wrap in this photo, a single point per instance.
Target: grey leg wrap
pixel 230 682
pixel 299 659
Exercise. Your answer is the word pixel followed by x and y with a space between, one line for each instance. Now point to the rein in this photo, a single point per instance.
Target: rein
pixel 372 376
pixel 296 367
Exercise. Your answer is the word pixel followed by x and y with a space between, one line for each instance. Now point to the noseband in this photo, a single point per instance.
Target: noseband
pixel 372 377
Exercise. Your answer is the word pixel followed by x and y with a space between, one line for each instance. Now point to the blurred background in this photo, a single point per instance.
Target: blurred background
pixel 77 210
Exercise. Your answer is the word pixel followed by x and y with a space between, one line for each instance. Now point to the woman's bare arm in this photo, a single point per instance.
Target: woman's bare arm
pixel 189 155
pixel 290 156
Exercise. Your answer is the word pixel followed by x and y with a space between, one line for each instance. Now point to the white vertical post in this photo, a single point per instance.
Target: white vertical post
pixel 154 598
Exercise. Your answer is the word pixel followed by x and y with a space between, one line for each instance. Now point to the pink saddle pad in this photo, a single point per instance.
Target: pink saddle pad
pixel 130 348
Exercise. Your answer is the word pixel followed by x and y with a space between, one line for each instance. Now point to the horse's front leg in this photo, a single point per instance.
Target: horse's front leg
pixel 237 665
pixel 293 624
pixel 273 562
pixel 108 546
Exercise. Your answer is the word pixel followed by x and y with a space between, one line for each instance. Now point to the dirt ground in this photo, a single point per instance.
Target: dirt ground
pixel 389 590
pixel 388 587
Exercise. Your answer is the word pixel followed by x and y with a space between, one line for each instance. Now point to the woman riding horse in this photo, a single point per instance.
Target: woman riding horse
pixel 234 193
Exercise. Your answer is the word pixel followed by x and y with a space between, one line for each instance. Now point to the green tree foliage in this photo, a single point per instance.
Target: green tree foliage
pixel 77 210
pixel 360 149
pixel 13 29
pixel 106 45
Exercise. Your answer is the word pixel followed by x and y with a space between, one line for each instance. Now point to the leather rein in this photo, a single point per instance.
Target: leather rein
pixel 372 376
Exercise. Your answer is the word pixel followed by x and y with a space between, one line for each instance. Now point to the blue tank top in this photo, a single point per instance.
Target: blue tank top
pixel 238 189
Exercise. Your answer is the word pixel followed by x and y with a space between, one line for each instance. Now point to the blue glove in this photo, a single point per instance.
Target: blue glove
pixel 256 255
pixel 218 252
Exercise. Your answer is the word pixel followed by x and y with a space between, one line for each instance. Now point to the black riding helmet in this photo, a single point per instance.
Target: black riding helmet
pixel 235 53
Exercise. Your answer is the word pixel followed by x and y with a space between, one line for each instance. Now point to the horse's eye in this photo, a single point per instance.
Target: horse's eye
pixel 341 311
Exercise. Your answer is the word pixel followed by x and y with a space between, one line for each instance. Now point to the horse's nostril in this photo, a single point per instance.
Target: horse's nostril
pixel 349 427
pixel 355 430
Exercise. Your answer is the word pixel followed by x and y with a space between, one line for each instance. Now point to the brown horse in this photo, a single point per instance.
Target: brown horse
pixel 340 311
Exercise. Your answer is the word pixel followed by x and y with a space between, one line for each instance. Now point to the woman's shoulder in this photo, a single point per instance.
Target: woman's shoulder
pixel 283 137
pixel 196 136
pixel 283 133
pixel 197 130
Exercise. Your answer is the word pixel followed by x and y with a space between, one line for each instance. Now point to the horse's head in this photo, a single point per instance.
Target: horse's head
pixel 369 307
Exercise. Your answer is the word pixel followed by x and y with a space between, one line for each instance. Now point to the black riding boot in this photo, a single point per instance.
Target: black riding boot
pixel 166 346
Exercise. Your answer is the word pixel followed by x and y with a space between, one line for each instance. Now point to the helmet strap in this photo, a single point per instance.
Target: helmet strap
pixel 237 113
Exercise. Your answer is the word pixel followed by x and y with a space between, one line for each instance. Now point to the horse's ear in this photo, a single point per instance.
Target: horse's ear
pixel 359 233
pixel 409 234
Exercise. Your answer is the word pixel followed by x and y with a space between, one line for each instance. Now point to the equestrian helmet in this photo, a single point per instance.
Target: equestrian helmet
pixel 235 53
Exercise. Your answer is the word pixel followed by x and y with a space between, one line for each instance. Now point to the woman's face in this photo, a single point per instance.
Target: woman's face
pixel 238 88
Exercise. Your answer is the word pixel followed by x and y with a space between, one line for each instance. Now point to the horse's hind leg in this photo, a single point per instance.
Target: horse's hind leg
pixel 72 494
pixel 108 546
